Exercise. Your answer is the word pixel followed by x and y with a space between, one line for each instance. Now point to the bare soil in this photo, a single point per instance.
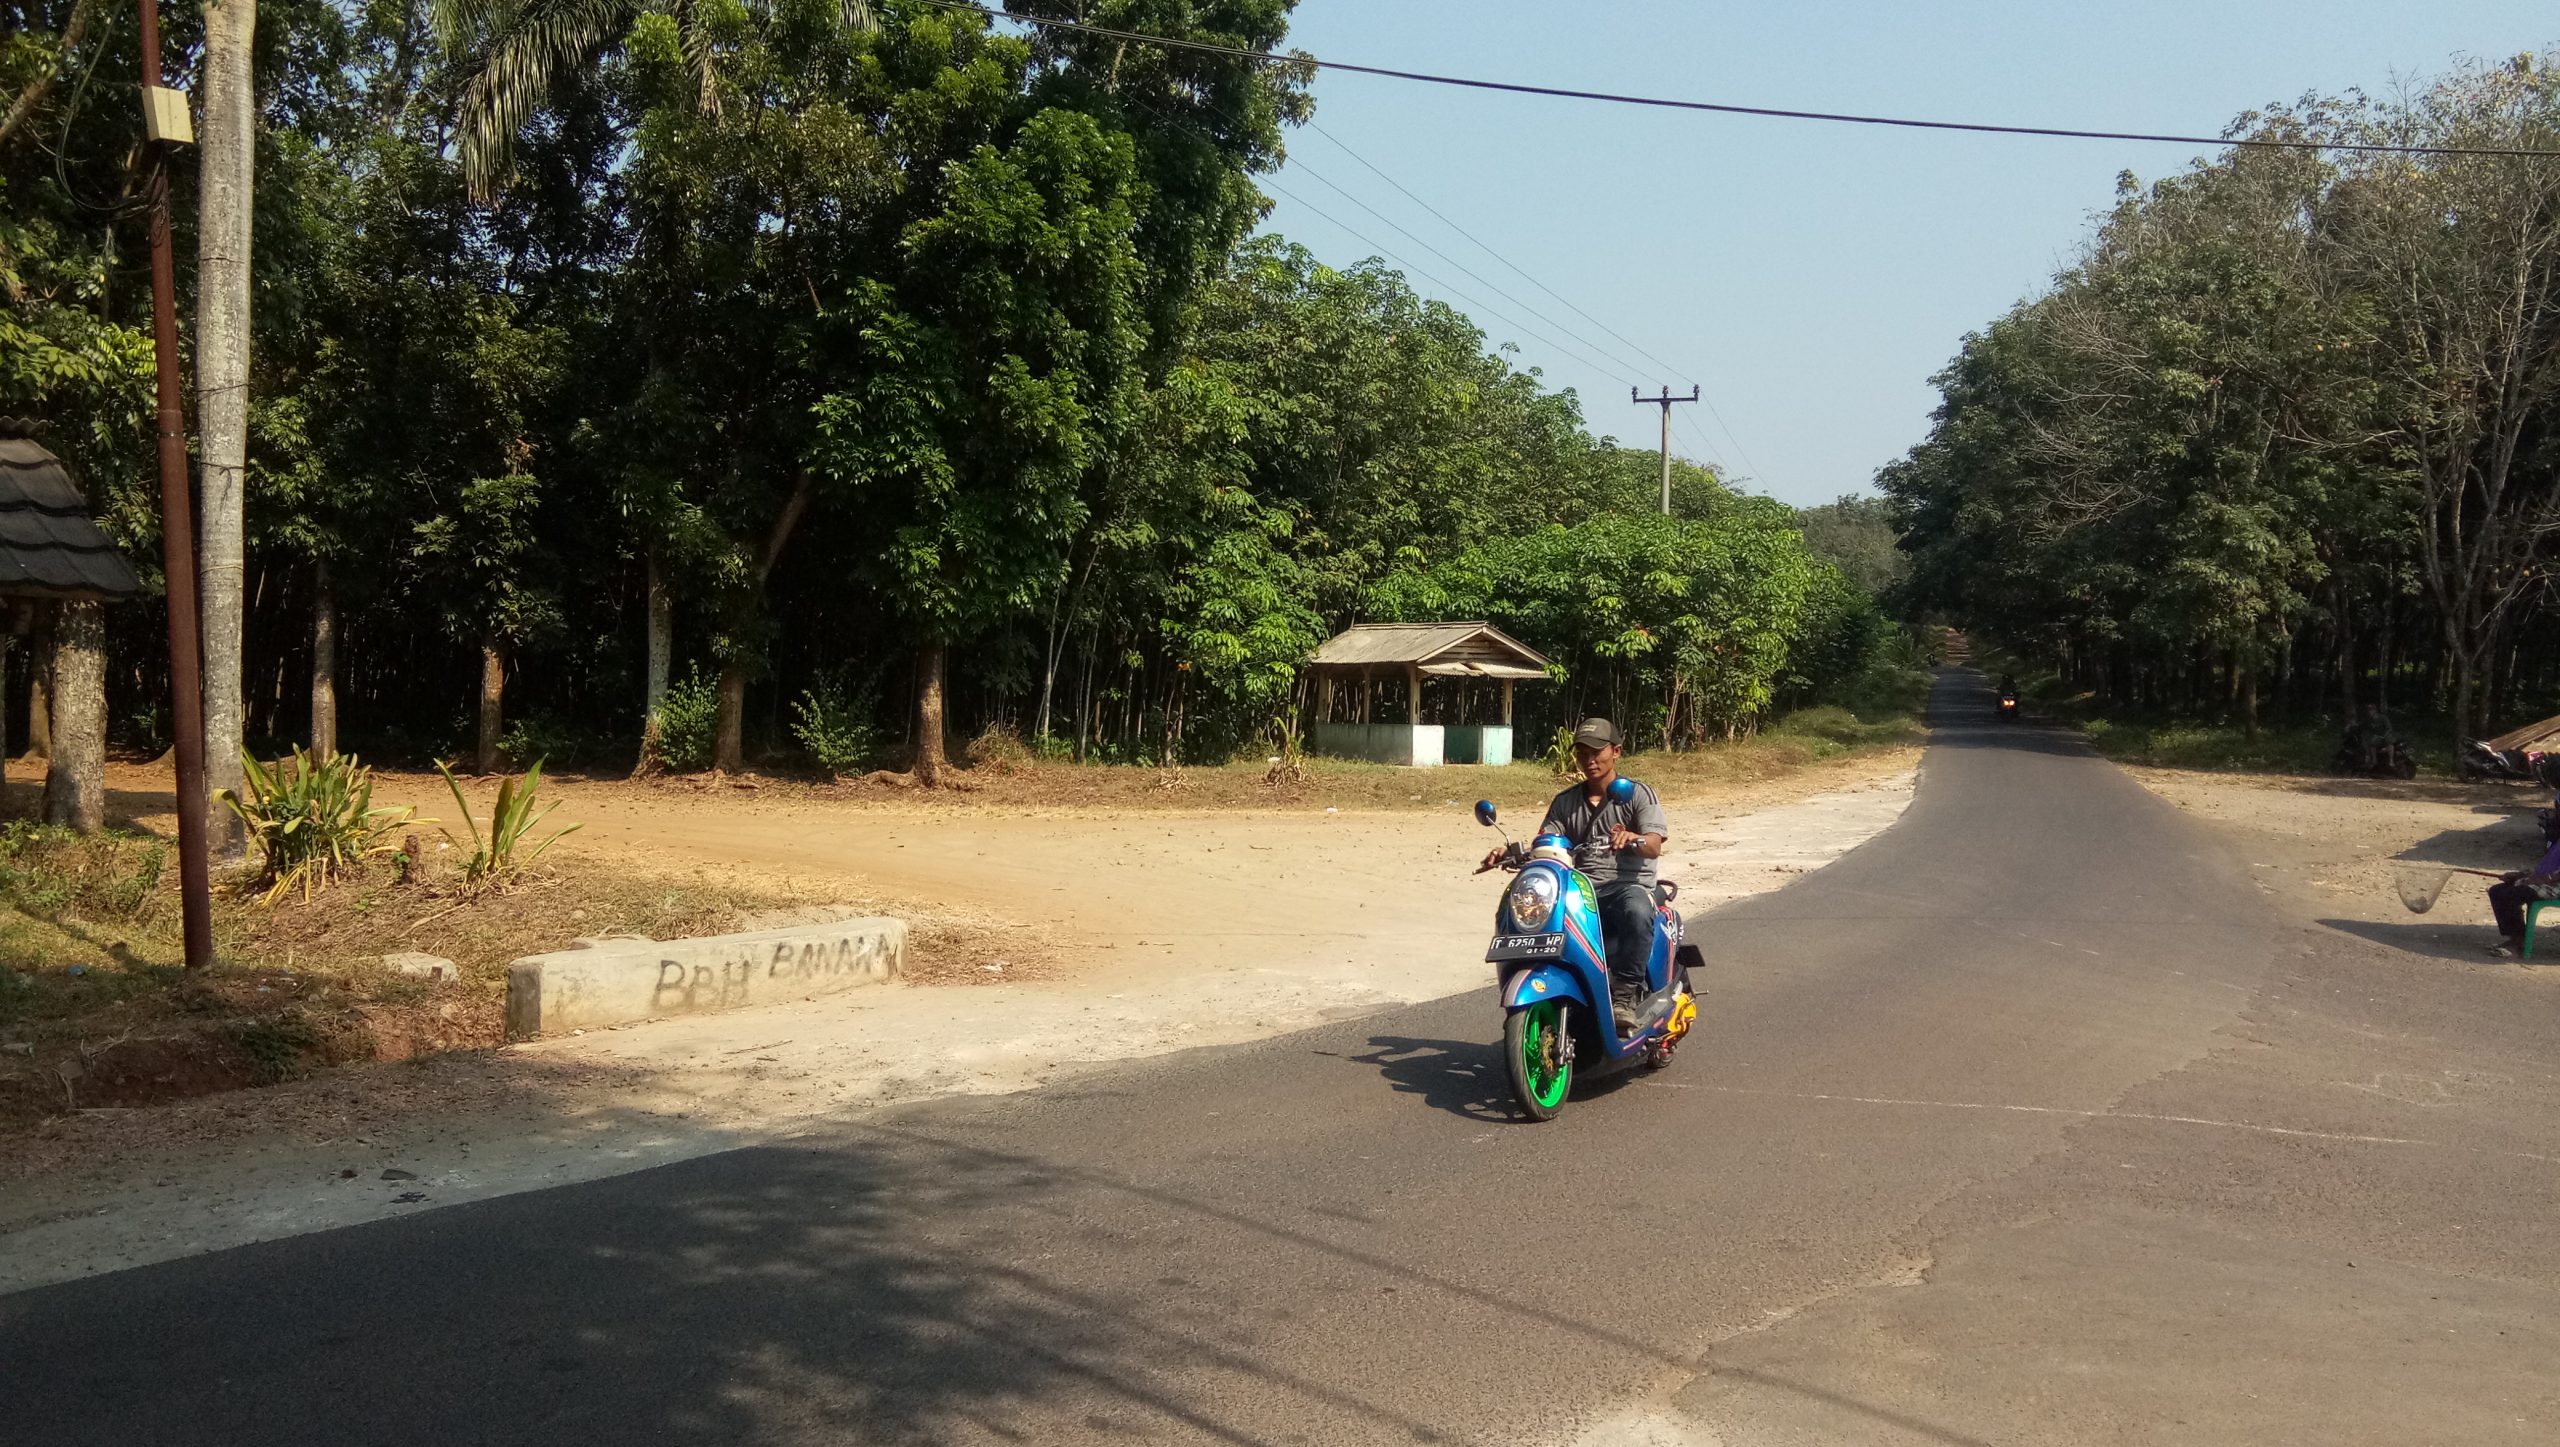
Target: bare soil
pixel 2332 848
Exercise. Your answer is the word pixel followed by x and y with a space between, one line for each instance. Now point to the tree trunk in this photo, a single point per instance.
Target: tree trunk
pixel 930 661
pixel 729 731
pixel 493 689
pixel 728 748
pixel 40 697
pixel 75 786
pixel 225 167
pixel 1061 626
pixel 661 652
pixel 324 665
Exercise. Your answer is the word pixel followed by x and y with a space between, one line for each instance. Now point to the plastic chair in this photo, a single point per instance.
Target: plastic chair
pixel 2533 909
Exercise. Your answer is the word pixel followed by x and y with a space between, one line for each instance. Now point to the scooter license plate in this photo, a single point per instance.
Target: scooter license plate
pixel 1527 947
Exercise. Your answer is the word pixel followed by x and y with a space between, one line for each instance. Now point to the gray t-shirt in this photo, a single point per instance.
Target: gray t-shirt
pixel 1573 816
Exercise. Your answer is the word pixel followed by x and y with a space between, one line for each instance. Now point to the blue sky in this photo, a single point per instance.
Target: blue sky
pixel 1809 277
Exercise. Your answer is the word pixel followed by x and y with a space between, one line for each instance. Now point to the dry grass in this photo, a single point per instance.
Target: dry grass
pixel 95 1009
pixel 1012 780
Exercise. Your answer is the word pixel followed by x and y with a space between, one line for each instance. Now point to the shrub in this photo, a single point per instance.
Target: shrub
pixel 1560 761
pixel 310 818
pixel 998 750
pixel 541 739
pixel 500 854
pixel 687 719
pixel 836 723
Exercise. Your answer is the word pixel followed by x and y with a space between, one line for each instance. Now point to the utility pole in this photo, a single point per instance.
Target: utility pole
pixel 1664 402
pixel 165 124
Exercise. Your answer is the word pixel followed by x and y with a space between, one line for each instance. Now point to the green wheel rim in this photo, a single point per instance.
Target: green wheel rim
pixel 1542 1055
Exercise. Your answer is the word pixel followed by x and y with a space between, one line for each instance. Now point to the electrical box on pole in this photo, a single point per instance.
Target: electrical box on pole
pixel 165 119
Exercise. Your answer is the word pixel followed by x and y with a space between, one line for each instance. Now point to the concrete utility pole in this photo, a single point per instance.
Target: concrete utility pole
pixel 165 124
pixel 1664 402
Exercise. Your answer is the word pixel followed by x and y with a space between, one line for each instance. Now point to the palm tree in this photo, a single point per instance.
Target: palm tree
pixel 516 51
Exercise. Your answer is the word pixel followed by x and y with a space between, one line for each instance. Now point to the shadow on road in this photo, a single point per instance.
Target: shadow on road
pixel 897 1292
pixel 2464 944
pixel 1463 1077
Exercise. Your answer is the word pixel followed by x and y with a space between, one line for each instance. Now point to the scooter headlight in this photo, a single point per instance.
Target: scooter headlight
pixel 1532 900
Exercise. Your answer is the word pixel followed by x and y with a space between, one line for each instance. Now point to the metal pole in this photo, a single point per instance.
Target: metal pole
pixel 178 551
pixel 1664 402
pixel 1666 459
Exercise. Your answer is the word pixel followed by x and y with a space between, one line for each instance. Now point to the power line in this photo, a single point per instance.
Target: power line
pixel 1706 449
pixel 1487 248
pixel 1526 330
pixel 1462 266
pixel 1602 368
pixel 1310 62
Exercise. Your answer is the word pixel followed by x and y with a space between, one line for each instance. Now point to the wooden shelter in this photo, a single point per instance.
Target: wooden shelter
pixel 56 571
pixel 1351 668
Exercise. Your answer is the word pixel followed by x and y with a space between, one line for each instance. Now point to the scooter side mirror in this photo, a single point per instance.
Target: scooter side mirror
pixel 1484 812
pixel 1621 789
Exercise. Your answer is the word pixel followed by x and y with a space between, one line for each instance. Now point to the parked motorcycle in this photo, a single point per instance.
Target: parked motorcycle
pixel 2476 760
pixel 2388 759
pixel 1553 968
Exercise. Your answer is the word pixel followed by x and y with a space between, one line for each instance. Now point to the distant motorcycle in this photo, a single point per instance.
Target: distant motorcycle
pixel 2389 759
pixel 2008 708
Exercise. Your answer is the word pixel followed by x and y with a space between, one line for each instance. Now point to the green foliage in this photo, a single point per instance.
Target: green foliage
pixel 502 853
pixel 310 818
pixel 541 737
pixel 837 722
pixel 1559 756
pixel 277 1046
pixel 2273 422
pixel 1856 535
pixel 1686 623
pixel 686 719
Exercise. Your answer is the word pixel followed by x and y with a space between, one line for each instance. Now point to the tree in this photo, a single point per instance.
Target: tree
pixel 228 146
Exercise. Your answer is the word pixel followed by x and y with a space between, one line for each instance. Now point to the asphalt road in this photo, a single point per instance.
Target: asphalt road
pixel 2032 1120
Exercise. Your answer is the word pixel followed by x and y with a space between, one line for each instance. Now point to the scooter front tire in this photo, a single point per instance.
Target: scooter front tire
pixel 1537 1049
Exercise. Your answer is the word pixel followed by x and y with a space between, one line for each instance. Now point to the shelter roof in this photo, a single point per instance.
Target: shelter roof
pixel 1443 650
pixel 2543 737
pixel 49 546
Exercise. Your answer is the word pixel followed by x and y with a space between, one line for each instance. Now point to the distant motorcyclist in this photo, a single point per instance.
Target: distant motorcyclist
pixel 2367 738
pixel 1615 846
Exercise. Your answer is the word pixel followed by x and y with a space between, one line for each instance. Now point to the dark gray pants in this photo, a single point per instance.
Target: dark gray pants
pixel 1626 932
pixel 2507 902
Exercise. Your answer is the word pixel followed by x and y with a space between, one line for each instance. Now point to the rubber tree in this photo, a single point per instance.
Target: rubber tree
pixel 75 792
pixel 227 139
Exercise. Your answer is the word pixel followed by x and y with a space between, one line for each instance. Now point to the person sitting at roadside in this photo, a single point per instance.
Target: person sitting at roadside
pixel 2509 896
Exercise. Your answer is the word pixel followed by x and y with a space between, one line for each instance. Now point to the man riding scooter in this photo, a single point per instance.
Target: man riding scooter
pixel 1614 845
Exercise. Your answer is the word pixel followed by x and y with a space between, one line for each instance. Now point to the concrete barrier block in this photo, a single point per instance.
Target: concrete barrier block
pixel 614 982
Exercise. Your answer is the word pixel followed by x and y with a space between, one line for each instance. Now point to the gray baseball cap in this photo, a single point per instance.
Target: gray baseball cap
pixel 1598 733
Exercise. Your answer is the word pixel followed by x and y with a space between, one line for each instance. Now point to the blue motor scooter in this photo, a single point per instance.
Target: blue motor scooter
pixel 1553 969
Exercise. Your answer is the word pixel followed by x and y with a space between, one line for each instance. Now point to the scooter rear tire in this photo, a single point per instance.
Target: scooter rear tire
pixel 1537 1051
